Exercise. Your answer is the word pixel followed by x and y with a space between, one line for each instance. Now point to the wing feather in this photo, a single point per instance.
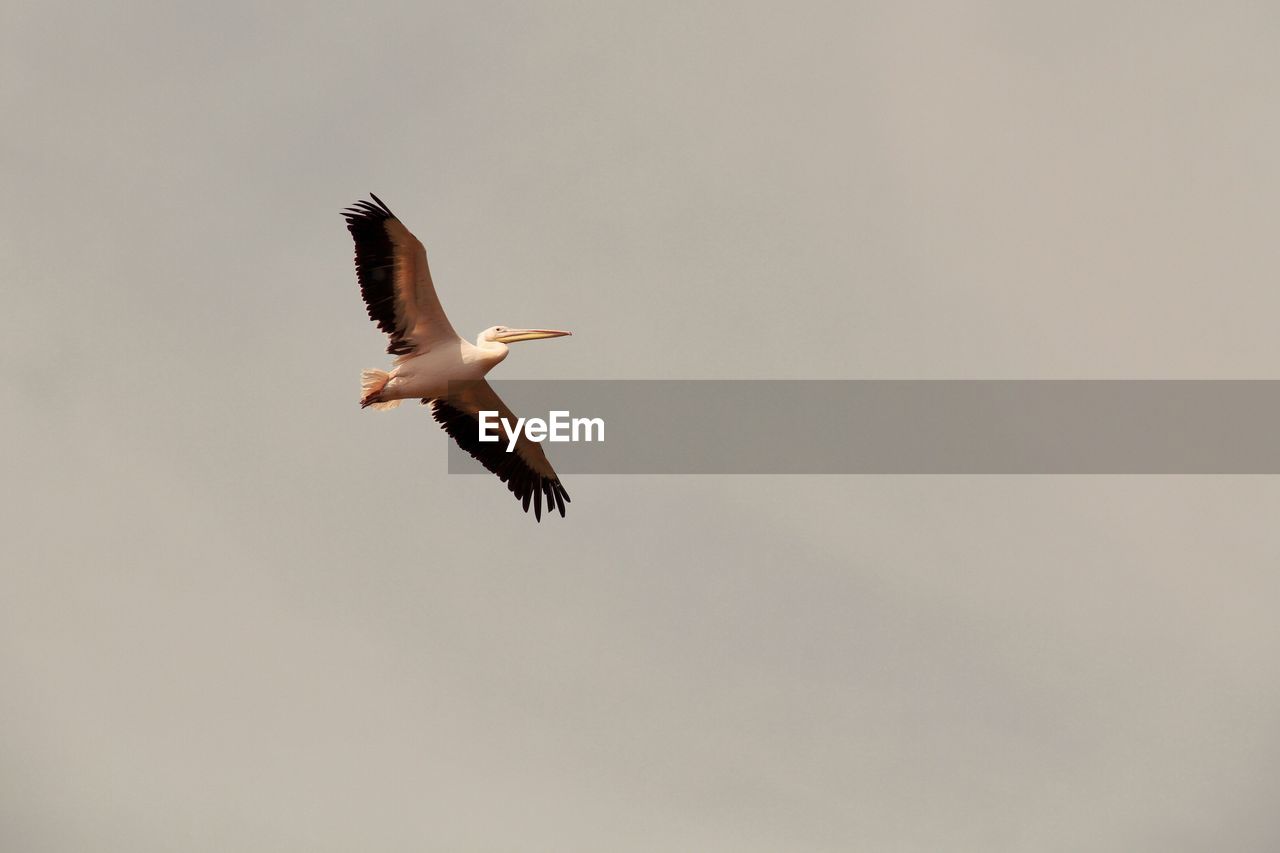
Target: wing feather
pixel 395 281
pixel 525 470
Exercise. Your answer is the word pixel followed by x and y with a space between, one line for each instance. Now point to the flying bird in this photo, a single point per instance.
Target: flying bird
pixel 391 266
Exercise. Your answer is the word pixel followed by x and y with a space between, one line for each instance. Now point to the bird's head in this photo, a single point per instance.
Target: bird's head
pixel 506 335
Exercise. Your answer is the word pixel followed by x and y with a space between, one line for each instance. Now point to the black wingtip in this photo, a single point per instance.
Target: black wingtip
pixel 525 485
pixel 382 204
pixel 364 210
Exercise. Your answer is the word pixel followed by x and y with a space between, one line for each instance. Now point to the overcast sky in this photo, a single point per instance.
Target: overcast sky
pixel 238 613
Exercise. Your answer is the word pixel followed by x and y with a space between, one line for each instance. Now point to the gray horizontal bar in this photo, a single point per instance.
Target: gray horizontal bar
pixel 909 427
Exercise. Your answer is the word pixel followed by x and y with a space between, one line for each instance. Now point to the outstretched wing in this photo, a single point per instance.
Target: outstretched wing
pixel 525 469
pixel 394 279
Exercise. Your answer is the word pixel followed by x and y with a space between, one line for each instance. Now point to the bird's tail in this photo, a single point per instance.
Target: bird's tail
pixel 371 384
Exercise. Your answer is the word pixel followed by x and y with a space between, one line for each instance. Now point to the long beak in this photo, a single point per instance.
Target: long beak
pixel 510 336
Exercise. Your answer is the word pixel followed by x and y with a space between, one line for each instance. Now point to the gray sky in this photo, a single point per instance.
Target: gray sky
pixel 241 614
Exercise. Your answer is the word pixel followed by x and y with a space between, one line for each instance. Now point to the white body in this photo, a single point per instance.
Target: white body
pixel 426 375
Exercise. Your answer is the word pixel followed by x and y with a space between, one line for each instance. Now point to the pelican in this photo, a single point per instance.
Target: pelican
pixel 391 266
